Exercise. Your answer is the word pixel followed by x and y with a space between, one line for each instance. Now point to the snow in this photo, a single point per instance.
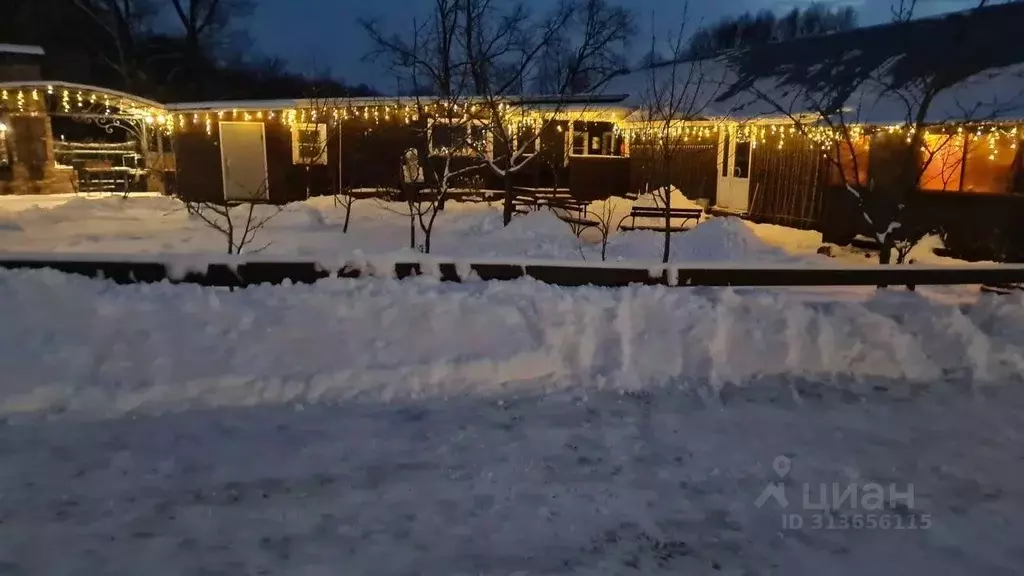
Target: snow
pixel 312 230
pixel 726 239
pixel 22 49
pixel 384 427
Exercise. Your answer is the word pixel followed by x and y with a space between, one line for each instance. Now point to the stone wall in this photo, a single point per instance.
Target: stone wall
pixel 32 169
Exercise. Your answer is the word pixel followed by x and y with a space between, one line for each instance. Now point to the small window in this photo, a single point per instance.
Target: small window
pixel 5 155
pixel 725 156
pixel 462 139
pixel 579 143
pixel 309 144
pixel 942 158
pixel 528 139
pixel 742 165
pixel 608 144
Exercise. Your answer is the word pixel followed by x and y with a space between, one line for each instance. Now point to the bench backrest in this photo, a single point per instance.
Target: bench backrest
pixel 646 211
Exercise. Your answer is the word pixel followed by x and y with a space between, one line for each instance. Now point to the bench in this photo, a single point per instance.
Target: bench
pixel 682 214
pixel 527 202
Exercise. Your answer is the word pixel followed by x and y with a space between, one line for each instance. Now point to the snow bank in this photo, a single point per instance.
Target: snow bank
pixel 679 200
pixel 313 230
pixel 501 428
pixel 714 240
pixel 111 349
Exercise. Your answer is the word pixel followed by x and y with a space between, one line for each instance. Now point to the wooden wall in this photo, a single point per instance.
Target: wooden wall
pixel 197 157
pixel 198 165
pixel 787 183
pixel 369 155
pixel 598 177
pixel 693 168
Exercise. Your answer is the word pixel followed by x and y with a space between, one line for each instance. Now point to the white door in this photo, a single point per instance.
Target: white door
pixel 733 191
pixel 243 157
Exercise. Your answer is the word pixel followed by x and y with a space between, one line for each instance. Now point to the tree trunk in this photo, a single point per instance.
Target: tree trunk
pixel 412 229
pixel 509 205
pixel 348 214
pixel 668 224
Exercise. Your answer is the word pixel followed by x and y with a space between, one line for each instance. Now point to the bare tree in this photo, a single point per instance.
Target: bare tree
pixel 125 23
pixel 606 221
pixel 578 46
pixel 204 23
pixel 311 137
pixel 346 199
pixel 491 51
pixel 448 133
pixel 237 222
pixel 674 94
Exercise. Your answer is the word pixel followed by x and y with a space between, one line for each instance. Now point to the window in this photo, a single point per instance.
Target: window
pixel 943 158
pixel 5 155
pixel 309 144
pixel 593 139
pixel 528 138
pixel 608 144
pixel 725 155
pixel 463 139
pixel 742 165
pixel 988 165
pixel 579 143
pixel 852 172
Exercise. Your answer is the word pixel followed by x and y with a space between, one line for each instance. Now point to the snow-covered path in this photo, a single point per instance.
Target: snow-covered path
pixel 607 484
pixel 383 427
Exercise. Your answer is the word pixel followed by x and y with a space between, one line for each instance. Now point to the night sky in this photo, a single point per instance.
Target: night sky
pixel 316 34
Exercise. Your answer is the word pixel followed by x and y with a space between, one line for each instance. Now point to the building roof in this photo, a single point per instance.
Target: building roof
pixel 22 49
pixel 89 96
pixel 292 103
pixel 974 54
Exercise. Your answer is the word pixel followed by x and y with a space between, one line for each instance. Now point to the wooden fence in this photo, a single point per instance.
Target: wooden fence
pixel 248 273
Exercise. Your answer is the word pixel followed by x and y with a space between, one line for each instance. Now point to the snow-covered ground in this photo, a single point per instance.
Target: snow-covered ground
pixel 381 427
pixel 313 229
pixel 385 427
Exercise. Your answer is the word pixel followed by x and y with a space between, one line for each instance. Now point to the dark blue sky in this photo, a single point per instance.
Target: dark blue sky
pixel 313 34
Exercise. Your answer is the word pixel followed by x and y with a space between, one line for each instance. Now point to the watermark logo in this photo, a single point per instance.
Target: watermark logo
pixel 841 506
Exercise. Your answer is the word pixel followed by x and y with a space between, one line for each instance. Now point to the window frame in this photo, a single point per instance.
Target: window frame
pixel 297 157
pixel 466 151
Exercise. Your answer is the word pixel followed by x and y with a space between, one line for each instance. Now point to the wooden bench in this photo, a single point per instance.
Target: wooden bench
pixel 567 208
pixel 528 202
pixel 674 214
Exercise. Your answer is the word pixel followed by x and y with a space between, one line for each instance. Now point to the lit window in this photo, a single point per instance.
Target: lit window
pixel 741 166
pixel 5 157
pixel 579 143
pixel 460 139
pixel 309 144
pixel 528 139
pixel 853 172
pixel 988 165
pixel 943 158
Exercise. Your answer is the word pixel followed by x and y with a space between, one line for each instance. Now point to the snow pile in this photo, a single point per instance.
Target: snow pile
pixel 177 345
pixel 714 240
pixel 312 229
pixel 679 200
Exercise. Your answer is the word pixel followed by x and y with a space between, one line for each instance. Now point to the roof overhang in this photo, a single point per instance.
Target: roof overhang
pixel 72 99
pixel 537 102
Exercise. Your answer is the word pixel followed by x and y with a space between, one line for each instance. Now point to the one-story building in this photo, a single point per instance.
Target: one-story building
pixel 747 141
